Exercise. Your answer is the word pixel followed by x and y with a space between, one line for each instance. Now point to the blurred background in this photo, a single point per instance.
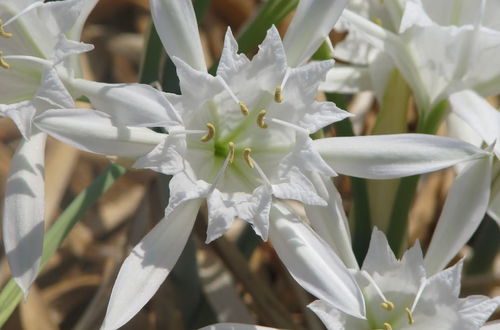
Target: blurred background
pixel 234 279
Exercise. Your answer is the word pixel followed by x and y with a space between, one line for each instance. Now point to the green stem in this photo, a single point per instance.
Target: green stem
pixel 11 294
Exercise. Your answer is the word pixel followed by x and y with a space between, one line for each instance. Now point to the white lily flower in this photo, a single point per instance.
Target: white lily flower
pixel 395 294
pixel 477 187
pixel 35 50
pixel 435 57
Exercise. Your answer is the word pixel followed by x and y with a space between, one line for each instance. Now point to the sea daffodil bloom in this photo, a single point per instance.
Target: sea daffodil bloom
pixel 397 294
pixel 36 47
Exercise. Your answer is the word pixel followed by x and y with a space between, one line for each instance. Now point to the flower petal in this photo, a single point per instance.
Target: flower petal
pixel 394 156
pixel 22 114
pixel 348 79
pixel 223 208
pixel 312 263
pixel 129 104
pixel 311 25
pixel 297 187
pixel 479 114
pixel 166 157
pixel 93 131
pixel 462 213
pixel 23 220
pixel 176 24
pixel 330 221
pixel 149 264
pixel 231 63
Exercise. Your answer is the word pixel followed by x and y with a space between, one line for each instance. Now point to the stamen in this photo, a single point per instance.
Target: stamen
pixel 417 296
pixel 243 106
pixel 244 109
pixel 187 131
pixel 387 326
pixel 3 64
pixel 387 305
pixel 210 134
pixel 261 173
pixel 246 156
pixel 260 119
pixel 2 31
pixel 377 21
pixel 231 152
pixel 277 95
pixel 410 316
pixel 289 125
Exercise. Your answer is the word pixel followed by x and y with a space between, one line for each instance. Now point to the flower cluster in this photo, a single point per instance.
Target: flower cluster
pixel 241 141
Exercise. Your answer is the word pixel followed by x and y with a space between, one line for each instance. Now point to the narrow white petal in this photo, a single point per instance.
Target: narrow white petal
pixel 394 156
pixel 330 221
pixel 23 220
pixel 93 131
pixel 312 263
pixel 491 326
pixel 175 22
pixel 149 264
pixel 231 63
pixel 463 211
pixel 311 25
pixel 129 104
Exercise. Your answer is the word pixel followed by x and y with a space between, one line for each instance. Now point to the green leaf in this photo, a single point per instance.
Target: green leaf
pixel 11 294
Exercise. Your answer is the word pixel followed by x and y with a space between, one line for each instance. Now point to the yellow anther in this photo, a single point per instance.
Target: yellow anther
pixel 2 31
pixel 210 134
pixel 246 156
pixel 387 305
pixel 377 21
pixel 231 152
pixel 260 119
pixel 277 95
pixel 387 326
pixel 244 109
pixel 3 64
pixel 410 316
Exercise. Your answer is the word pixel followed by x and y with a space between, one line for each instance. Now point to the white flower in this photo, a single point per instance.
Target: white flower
pixel 35 50
pixel 398 295
pixel 436 54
